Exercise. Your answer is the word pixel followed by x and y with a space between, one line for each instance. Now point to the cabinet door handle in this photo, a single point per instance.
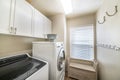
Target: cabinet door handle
pixel 15 30
pixel 11 29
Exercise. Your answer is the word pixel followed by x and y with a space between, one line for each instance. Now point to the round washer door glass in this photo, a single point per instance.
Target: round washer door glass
pixel 61 60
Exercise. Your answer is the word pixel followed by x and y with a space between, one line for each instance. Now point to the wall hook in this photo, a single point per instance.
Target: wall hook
pixel 102 21
pixel 116 10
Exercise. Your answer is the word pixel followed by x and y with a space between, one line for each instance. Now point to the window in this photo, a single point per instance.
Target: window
pixel 82 43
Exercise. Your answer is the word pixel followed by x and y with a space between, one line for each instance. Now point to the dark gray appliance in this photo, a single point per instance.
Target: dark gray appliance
pixel 19 67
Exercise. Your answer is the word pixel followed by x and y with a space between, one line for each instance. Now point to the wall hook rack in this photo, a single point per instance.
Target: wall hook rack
pixel 116 10
pixel 104 19
pixel 109 46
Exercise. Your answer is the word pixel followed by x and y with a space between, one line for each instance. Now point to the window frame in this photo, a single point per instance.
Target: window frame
pixel 75 27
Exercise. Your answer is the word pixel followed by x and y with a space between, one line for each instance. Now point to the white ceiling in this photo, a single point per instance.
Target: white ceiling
pixel 53 7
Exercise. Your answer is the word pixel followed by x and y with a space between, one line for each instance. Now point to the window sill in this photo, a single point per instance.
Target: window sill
pixel 82 59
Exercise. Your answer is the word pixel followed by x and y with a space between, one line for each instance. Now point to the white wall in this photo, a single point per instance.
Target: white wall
pixel 109 33
pixel 59 26
pixel 10 45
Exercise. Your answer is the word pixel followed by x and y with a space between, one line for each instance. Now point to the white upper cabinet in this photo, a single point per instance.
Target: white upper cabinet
pixel 41 25
pixel 5 9
pixel 38 30
pixel 23 18
pixel 19 18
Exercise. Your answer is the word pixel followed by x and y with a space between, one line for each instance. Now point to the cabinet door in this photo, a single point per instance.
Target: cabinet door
pixel 5 7
pixel 47 26
pixel 23 18
pixel 38 30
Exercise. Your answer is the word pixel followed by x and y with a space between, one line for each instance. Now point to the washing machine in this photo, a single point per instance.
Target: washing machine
pixel 23 67
pixel 53 52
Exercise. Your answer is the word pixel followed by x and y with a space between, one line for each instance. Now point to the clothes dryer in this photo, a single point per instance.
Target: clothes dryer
pixel 53 52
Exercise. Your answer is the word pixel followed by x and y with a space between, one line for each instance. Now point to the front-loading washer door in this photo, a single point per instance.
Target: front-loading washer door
pixel 61 59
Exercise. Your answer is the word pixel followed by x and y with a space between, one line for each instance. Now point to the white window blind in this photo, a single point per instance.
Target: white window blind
pixel 82 41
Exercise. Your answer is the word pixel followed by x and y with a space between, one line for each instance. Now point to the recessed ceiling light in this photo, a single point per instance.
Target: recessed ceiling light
pixel 67 5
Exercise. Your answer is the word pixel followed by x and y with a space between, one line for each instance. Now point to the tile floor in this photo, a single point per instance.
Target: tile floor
pixel 66 78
